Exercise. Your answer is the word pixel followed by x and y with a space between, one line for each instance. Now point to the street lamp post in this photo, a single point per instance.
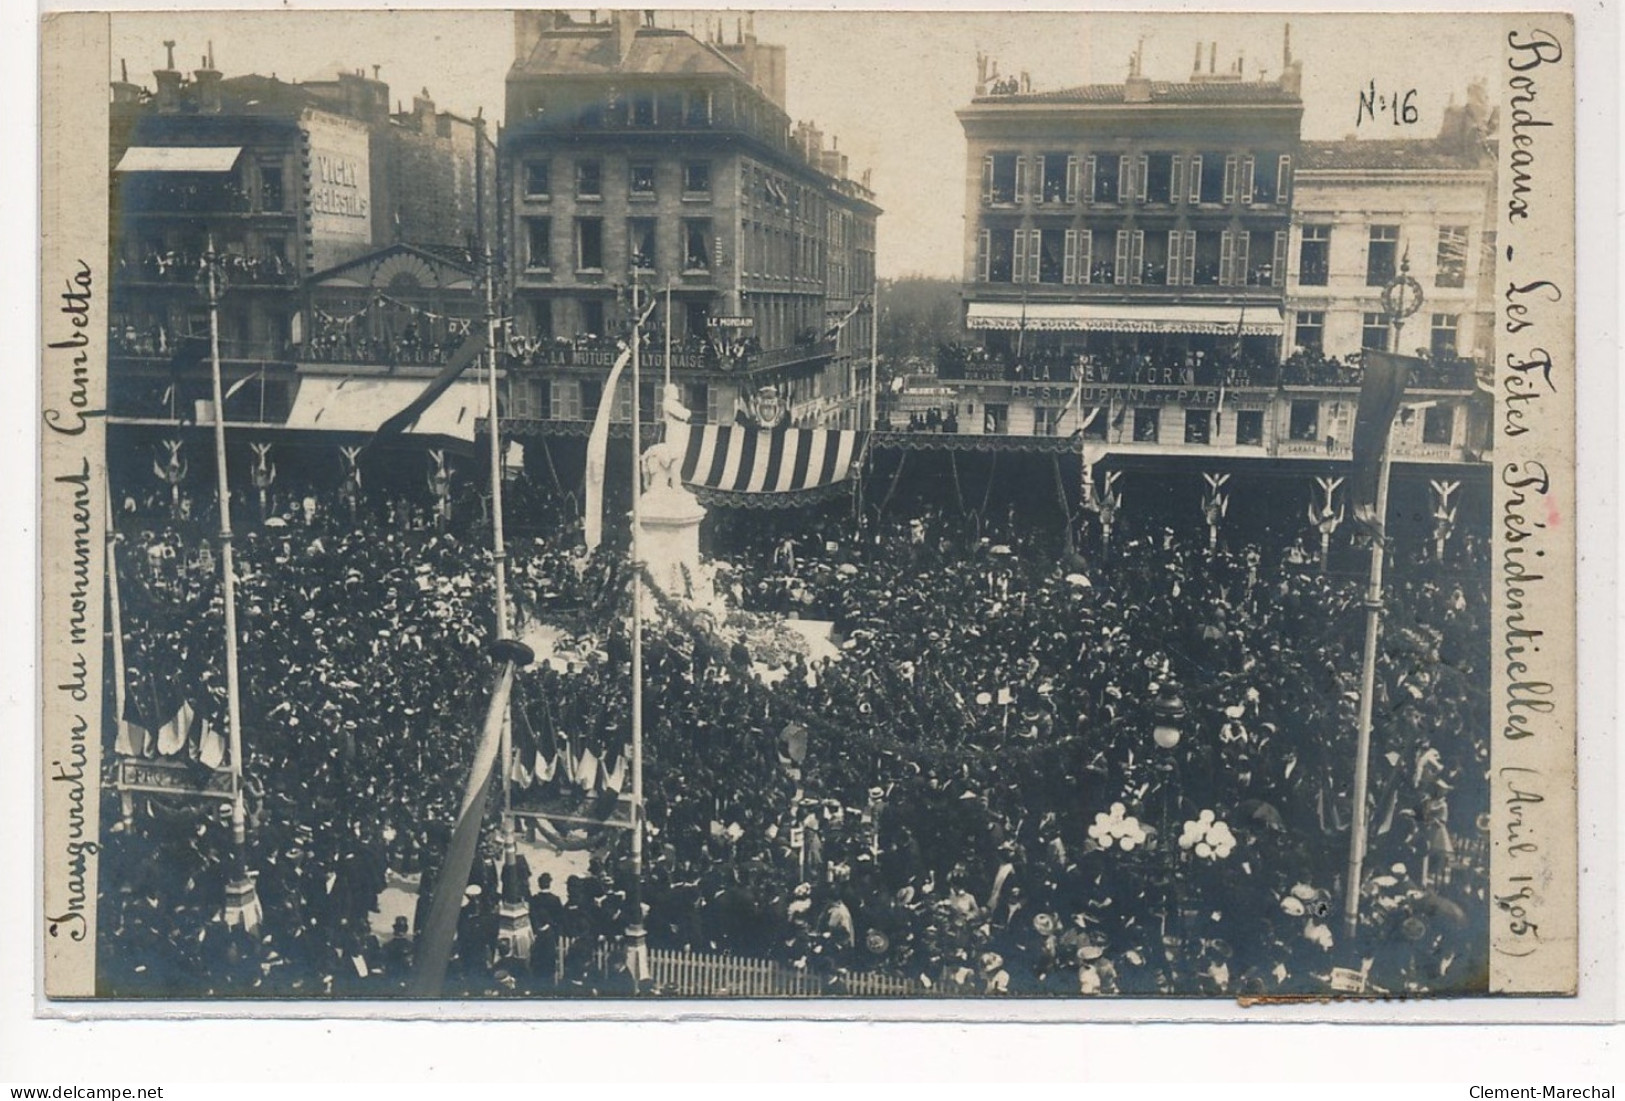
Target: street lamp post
pixel 1401 298
pixel 1167 730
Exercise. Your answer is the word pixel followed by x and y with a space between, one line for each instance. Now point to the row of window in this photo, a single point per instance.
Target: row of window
pixel 577 399
pixel 694 108
pixel 1382 256
pixel 1016 179
pixel 695 243
pixel 1303 423
pixel 781 253
pixel 1376 332
pixel 1178 257
pixel 642 179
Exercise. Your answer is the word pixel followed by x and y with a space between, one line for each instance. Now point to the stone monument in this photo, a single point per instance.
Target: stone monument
pixel 670 515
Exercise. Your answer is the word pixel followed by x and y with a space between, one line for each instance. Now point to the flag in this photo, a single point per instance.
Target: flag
pixel 460 361
pixel 172 735
pixel 587 770
pixel 615 775
pixel 1380 391
pixel 237 386
pixel 597 449
pixel 211 747
pixel 131 739
pixel 835 330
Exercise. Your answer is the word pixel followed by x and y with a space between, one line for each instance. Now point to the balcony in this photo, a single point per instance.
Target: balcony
pixel 736 357
pixel 182 268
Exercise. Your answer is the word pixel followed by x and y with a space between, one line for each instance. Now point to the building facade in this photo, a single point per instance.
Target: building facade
pixel 642 163
pixel 1143 259
pixel 1364 208
pixel 285 182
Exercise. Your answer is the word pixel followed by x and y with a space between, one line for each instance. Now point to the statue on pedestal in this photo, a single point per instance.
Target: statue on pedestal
pixel 669 528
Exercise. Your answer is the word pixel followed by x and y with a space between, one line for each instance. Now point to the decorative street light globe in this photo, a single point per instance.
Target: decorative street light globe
pixel 1168 712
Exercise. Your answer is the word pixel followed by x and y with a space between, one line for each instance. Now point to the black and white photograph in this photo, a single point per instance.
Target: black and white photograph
pixel 639 505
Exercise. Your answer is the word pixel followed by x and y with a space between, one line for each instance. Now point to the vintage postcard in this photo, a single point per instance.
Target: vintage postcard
pixel 908 505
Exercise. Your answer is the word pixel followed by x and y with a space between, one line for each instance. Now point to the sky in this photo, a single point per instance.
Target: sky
pixel 885 84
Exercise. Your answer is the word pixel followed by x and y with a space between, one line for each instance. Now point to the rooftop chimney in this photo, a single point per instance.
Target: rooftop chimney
pixel 1291 81
pixel 208 82
pixel 123 90
pixel 1136 89
pixel 623 31
pixel 169 79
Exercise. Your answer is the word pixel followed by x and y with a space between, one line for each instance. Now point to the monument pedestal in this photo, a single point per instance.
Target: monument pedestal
pixel 669 542
pixel 515 938
pixel 242 908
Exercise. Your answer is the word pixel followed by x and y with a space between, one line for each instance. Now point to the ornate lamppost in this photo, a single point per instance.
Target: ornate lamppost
pixel 1167 730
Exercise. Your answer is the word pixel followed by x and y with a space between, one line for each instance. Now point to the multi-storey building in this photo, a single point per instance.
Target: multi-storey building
pixel 1364 208
pixel 1143 223
pixel 645 162
pixel 287 182
pixel 1141 259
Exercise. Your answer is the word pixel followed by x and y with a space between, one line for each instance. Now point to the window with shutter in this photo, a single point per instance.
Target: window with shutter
pixel 1283 179
pixel 1136 259
pixel 1245 187
pixel 1196 179
pixel 1278 263
pixel 1121 272
pixel 1021 180
pixel 1142 173
pixel 1238 262
pixel 1035 251
pixel 1085 241
pixel 1176 255
pixel 1018 273
pixel 1189 254
pixel 1125 179
pixel 1176 185
pixel 1230 170
pixel 1069 273
pixel 1071 179
pixel 1089 178
pixel 1227 257
pixel 983 249
pixel 987 181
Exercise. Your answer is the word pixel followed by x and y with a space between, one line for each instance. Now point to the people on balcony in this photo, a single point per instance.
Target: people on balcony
pixel 182 266
pixel 1186 367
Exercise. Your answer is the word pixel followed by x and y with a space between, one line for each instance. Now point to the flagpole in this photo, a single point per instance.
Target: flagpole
pixel 668 332
pixel 874 357
pixel 514 934
pixel 242 905
pixel 115 609
pixel 637 956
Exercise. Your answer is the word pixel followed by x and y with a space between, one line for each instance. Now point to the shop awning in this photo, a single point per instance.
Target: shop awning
pixel 1124 318
pixel 179 158
pixel 362 404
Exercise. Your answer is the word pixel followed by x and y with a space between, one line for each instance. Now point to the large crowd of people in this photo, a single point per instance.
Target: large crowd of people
pixel 974 796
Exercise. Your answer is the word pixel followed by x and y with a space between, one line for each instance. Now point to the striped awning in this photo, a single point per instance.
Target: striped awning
pixel 734 459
